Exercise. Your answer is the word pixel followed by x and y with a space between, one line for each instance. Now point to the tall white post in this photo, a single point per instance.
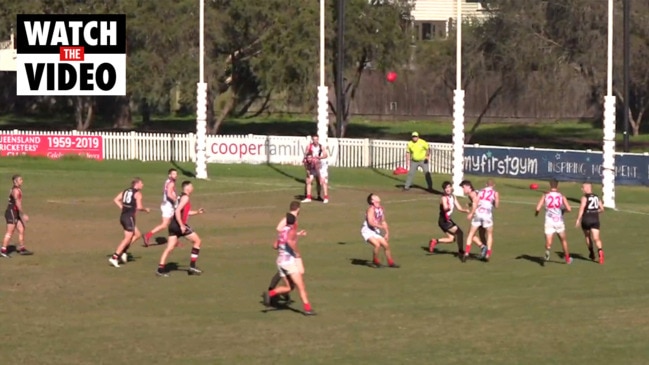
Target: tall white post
pixel 323 91
pixel 458 110
pixel 608 148
pixel 201 102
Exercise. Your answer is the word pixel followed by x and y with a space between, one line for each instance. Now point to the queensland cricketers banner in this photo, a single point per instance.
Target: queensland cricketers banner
pixel 77 54
pixel 547 164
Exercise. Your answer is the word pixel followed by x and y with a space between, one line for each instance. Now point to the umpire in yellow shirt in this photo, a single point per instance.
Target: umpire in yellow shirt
pixel 417 155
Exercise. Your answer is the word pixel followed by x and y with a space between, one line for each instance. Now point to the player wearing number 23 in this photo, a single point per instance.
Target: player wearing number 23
pixel 129 202
pixel 555 205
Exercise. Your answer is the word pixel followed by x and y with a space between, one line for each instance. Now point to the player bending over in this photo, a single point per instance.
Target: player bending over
pixel 373 223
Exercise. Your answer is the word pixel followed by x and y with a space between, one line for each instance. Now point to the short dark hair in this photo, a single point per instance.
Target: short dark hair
pixel 135 181
pixel 15 177
pixel 294 205
pixel 554 183
pixel 185 183
pixel 446 184
pixel 466 183
pixel 171 170
pixel 369 198
pixel 290 219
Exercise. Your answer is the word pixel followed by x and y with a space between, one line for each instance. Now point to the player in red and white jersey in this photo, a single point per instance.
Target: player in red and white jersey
pixel 15 218
pixel 289 259
pixel 447 204
pixel 481 216
pixel 179 228
pixel 555 205
pixel 316 170
pixel 167 206
pixel 373 223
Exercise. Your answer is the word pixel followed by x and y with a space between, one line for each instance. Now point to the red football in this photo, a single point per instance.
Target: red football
pixel 534 186
pixel 391 76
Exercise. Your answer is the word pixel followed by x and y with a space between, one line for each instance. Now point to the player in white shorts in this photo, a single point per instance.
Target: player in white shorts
pixel 481 215
pixel 555 204
pixel 168 205
pixel 315 160
pixel 371 231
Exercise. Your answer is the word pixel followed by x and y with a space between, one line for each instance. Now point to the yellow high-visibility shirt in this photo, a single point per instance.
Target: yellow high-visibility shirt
pixel 418 150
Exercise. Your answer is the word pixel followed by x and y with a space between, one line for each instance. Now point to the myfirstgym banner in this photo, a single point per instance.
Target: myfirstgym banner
pixel 630 169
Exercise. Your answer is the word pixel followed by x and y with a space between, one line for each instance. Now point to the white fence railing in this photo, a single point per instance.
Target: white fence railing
pixel 256 149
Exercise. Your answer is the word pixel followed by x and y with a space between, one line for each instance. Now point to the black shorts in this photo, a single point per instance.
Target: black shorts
pixel 589 223
pixel 174 229
pixel 446 225
pixel 128 222
pixel 12 217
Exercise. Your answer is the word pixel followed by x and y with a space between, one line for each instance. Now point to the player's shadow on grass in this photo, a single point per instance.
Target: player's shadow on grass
pixel 539 260
pixel 160 241
pixel 130 257
pixel 362 262
pixel 438 251
pixel 286 174
pixel 173 266
pixel 415 186
pixel 185 173
pixel 575 256
pixel 280 306
pixel 536 259
pixel 384 174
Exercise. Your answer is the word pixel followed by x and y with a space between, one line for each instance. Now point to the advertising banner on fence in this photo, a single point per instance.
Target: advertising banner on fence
pixel 52 146
pixel 261 149
pixel 548 164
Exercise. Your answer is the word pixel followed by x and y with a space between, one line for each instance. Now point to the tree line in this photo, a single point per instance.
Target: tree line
pixel 525 56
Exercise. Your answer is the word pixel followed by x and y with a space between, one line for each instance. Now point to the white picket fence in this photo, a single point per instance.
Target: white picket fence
pixel 255 149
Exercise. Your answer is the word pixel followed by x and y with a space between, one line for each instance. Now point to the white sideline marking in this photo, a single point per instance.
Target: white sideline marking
pixel 399 201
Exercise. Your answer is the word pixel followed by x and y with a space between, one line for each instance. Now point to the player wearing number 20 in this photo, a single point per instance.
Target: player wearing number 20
pixel 589 220
pixel 129 202
pixel 555 204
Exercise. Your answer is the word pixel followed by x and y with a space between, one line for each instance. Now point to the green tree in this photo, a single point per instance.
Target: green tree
pixel 571 34
pixel 377 35
pixel 264 47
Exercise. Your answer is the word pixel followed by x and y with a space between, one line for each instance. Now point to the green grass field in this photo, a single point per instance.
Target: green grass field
pixel 66 305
